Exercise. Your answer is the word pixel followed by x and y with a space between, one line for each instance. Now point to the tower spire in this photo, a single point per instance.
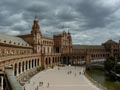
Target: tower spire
pixel 36 18
pixel 35 27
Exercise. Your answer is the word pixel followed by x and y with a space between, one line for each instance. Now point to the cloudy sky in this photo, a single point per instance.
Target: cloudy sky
pixel 89 21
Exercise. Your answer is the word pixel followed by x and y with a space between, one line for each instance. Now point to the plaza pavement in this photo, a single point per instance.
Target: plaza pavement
pixel 61 80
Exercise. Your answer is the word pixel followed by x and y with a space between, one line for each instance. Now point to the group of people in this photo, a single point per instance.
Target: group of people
pixel 41 84
pixel 82 71
pixel 69 72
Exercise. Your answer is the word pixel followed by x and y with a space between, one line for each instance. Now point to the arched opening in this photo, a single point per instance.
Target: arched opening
pixel 15 69
pixel 53 60
pixel 68 61
pixel 59 60
pixel 49 61
pixel 19 68
pixel 29 64
pixel 26 65
pixel 38 62
pixel 46 61
pixel 35 63
pixel 64 60
pixel 32 63
pixel 22 66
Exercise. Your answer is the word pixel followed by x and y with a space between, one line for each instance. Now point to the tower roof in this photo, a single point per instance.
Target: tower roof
pixel 36 27
pixel 36 19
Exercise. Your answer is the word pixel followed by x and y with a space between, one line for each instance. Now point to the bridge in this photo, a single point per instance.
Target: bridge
pixel 97 62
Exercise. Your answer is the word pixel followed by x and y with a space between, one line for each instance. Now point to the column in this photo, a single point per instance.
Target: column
pixel 17 73
pixel 2 83
pixel 28 65
pixel 24 66
pixel 21 68
pixel 34 63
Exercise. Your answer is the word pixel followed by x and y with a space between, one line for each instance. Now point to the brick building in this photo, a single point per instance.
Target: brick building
pixel 25 53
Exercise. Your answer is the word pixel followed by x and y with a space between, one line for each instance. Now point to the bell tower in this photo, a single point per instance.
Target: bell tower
pixel 35 27
pixel 37 36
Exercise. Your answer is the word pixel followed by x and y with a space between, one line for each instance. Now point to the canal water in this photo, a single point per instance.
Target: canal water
pixel 99 76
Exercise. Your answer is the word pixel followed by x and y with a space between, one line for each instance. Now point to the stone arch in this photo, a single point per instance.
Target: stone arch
pixel 26 65
pixel 23 66
pixel 35 62
pixel 19 67
pixel 32 63
pixel 15 69
pixel 49 60
pixel 53 60
pixel 64 60
pixel 29 64
pixel 38 62
pixel 46 61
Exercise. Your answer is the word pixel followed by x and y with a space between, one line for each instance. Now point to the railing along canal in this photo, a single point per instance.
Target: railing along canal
pixel 101 87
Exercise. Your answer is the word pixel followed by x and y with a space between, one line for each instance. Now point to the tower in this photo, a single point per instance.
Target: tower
pixel 37 36
pixel 35 27
pixel 70 42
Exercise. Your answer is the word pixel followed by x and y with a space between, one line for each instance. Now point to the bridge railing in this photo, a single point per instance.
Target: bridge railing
pixel 97 60
pixel 101 87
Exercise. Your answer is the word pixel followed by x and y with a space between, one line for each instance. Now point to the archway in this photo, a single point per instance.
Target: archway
pixel 38 62
pixel 15 69
pixel 32 63
pixel 53 60
pixel 23 66
pixel 19 69
pixel 35 63
pixel 29 64
pixel 46 61
pixel 49 60
pixel 26 65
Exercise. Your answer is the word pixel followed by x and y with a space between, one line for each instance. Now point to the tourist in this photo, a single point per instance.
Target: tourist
pixel 37 87
pixel 48 85
pixel 42 83
pixel 24 87
pixel 80 73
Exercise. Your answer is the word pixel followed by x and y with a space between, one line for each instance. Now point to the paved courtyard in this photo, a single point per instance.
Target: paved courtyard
pixel 67 78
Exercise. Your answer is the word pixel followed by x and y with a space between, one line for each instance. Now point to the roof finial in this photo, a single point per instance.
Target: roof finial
pixel 36 19
pixel 68 32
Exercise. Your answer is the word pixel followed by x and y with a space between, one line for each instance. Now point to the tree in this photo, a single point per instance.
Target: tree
pixel 110 64
pixel 117 69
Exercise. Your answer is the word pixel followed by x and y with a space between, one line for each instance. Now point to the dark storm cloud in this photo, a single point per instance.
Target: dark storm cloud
pixel 96 14
pixel 85 19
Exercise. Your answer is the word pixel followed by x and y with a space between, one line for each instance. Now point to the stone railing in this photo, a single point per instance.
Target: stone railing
pixel 53 54
pixel 5 58
pixel 101 87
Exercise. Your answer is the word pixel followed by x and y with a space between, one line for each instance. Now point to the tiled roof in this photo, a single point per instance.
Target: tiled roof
pixel 88 47
pixel 110 41
pixel 13 40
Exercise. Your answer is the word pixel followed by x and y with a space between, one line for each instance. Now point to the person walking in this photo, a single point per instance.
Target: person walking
pixel 48 85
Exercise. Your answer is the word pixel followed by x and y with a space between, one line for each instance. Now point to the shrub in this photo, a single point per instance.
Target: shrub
pixel 40 68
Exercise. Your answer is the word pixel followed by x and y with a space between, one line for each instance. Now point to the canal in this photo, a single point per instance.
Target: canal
pixel 100 77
